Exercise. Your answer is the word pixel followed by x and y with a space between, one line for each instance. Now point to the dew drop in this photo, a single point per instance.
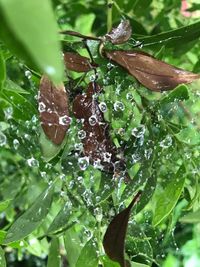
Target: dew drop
pixel 41 107
pixel 92 120
pixel 83 163
pixel 119 106
pixel 28 74
pixel 3 139
pixel 167 142
pixel 81 134
pixel 138 131
pixel 8 113
pixel 32 162
pixel 15 144
pixel 64 120
pixel 103 107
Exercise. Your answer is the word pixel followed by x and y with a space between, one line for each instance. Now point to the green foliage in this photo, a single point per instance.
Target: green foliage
pixel 52 209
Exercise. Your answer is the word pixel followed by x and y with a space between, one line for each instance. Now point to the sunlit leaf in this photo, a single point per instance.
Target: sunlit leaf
pixel 53 108
pixel 169 196
pixel 121 33
pixel 2 71
pixel 114 238
pixel 154 74
pixel 32 218
pixel 39 44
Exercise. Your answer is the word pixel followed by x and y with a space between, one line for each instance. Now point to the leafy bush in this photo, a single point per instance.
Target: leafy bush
pixel 55 203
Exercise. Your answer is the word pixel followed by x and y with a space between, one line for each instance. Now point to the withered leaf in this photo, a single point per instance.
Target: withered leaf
pixel 120 34
pixel 154 74
pixel 53 108
pixel 114 238
pixel 97 144
pixel 75 62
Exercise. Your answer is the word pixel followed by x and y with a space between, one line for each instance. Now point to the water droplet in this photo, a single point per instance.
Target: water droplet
pixel 15 144
pixel 28 74
pixel 8 113
pixel 97 164
pixel 41 107
pixel 98 214
pixel 129 96
pixel 32 162
pixel 135 158
pixel 64 120
pixel 103 107
pixel 81 134
pixel 138 131
pixel 167 142
pixel 78 146
pixel 83 163
pixel 119 106
pixel 3 139
pixel 107 157
pixel 92 120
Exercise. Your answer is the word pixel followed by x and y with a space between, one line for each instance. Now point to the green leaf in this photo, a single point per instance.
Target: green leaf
pixel 32 218
pixel 72 246
pixel 88 256
pixel 192 217
pixel 2 258
pixel 12 86
pixel 189 136
pixel 49 149
pixel 147 192
pixel 29 28
pixel 4 204
pixel 60 220
pixel 180 93
pixel 54 254
pixel 2 70
pixel 167 199
pixel 109 263
pixel 173 38
pixel 140 6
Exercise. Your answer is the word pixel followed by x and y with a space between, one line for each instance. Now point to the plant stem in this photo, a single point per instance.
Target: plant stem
pixel 109 15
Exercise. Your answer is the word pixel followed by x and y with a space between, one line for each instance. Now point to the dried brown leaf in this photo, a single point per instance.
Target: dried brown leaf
pixel 114 238
pixel 154 74
pixel 120 34
pixel 53 108
pixel 97 143
pixel 75 62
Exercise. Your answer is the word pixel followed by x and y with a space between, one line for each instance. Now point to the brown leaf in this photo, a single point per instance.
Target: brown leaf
pixel 114 238
pixel 53 108
pixel 121 34
pixel 78 63
pixel 154 74
pixel 97 143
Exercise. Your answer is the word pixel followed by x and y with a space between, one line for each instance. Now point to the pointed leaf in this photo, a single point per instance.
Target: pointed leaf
pixel 97 143
pixel 114 238
pixel 54 254
pixel 32 218
pixel 78 63
pixel 53 108
pixel 154 74
pixel 121 34
pixel 88 256
pixel 169 197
